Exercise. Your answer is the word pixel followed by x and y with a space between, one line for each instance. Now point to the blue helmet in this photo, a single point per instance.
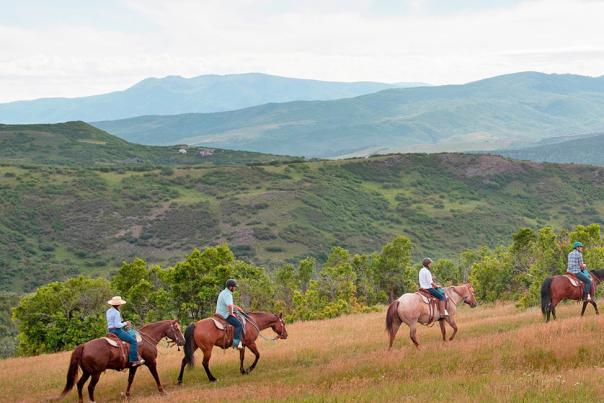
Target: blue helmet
pixel 577 244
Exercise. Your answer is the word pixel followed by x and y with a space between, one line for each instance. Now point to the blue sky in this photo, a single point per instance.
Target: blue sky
pixel 75 48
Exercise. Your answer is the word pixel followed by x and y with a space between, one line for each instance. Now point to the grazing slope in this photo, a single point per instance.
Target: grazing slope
pixel 79 144
pixel 173 94
pixel 500 354
pixel 487 114
pixel 58 221
pixel 582 149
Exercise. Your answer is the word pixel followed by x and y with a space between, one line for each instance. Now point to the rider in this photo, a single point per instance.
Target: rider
pixel 225 309
pixel 579 269
pixel 426 282
pixel 116 326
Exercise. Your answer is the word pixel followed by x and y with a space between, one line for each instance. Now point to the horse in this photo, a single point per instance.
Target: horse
pixel 411 309
pixel 205 335
pixel 557 288
pixel 97 355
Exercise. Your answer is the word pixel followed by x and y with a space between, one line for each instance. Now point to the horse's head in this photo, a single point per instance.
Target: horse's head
pixel 174 333
pixel 278 326
pixel 469 297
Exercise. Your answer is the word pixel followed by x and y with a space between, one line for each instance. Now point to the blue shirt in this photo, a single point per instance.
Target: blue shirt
pixel 114 319
pixel 225 298
pixel 575 260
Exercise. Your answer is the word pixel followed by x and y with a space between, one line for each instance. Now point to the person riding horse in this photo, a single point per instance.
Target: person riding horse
pixel 116 326
pixel 225 308
pixel 577 267
pixel 426 282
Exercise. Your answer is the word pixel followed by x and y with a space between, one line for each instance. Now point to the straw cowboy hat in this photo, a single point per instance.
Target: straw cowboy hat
pixel 117 300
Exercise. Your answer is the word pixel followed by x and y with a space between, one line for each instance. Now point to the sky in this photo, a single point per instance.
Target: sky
pixel 68 48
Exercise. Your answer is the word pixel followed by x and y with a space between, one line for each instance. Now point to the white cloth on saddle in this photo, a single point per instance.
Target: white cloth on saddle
pixel 113 343
pixel 423 297
pixel 574 282
pixel 219 325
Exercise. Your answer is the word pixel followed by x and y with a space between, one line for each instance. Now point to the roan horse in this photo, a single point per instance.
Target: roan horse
pixel 557 288
pixel 205 335
pixel 97 355
pixel 411 309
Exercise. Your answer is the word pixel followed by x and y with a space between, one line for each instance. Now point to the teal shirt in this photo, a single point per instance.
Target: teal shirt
pixel 225 298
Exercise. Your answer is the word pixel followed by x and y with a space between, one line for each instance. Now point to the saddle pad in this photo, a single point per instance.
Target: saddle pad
pixel 110 341
pixel 574 282
pixel 423 297
pixel 218 324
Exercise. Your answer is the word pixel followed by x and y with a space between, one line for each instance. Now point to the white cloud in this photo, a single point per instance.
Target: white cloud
pixel 333 40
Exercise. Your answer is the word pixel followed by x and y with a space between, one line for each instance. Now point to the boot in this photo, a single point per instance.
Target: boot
pixel 442 308
pixel 587 298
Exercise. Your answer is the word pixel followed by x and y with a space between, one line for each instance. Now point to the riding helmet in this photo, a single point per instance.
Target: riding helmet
pixel 231 283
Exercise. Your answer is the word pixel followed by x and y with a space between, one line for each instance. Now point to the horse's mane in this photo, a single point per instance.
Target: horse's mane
pixel 598 273
pixel 154 324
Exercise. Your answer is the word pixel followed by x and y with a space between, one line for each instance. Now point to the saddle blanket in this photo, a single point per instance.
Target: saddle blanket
pixel 572 280
pixel 112 342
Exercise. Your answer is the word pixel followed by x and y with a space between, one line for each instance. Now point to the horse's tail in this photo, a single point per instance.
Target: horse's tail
pixel 189 345
pixel 391 314
pixel 72 372
pixel 546 294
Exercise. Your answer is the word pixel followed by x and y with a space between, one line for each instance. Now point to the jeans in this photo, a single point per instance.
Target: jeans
pixel 437 292
pixel 127 337
pixel 238 327
pixel 586 278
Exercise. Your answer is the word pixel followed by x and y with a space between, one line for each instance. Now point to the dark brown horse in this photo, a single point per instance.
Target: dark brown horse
pixel 411 309
pixel 205 335
pixel 557 288
pixel 97 355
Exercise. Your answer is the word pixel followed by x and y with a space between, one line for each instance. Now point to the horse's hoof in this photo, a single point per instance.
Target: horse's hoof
pixel 213 379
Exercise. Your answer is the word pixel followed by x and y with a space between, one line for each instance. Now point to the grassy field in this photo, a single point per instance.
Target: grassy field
pixel 501 354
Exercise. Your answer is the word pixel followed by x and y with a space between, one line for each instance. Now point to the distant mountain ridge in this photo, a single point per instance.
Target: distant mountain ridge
pixel 176 95
pixel 486 114
pixel 586 149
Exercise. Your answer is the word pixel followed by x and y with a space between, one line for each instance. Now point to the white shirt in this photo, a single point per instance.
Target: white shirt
pixel 425 278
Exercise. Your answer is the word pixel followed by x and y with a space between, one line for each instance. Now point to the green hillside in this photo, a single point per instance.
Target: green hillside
pixel 488 114
pixel 578 149
pixel 79 144
pixel 59 221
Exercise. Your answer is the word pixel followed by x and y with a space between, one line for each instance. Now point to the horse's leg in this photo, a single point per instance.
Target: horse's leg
pixel 595 306
pixel 393 332
pixel 183 364
pixel 241 358
pixel 152 365
pixel 451 322
pixel 553 311
pixel 92 385
pixel 207 353
pixel 442 329
pixel 131 374
pixel 253 349
pixel 412 333
pixel 81 382
pixel 583 308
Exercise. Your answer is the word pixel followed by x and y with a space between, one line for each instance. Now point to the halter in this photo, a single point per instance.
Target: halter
pixel 171 343
pixel 253 322
pixel 463 298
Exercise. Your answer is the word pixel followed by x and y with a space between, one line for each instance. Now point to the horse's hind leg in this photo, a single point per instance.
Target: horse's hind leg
pixel 392 334
pixel 81 382
pixel 413 332
pixel 131 374
pixel 206 364
pixel 92 385
pixel 595 306
pixel 184 364
pixel 553 311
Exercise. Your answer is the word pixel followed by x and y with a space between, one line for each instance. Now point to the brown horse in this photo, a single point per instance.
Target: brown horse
pixel 97 355
pixel 557 288
pixel 205 335
pixel 411 309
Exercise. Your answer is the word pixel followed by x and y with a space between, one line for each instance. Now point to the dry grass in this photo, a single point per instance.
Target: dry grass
pixel 500 355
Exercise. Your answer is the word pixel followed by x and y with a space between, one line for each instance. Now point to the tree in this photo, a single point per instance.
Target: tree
pixel 394 273
pixel 61 315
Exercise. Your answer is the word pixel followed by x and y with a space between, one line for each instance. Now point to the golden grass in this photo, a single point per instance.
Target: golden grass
pixel 500 354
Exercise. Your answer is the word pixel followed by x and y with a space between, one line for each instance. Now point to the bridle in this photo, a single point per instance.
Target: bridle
pixel 279 334
pixel 464 298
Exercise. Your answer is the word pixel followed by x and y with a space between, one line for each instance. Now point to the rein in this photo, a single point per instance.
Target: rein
pixel 253 322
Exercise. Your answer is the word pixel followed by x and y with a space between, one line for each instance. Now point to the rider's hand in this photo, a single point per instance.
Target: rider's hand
pixel 128 324
pixel 583 265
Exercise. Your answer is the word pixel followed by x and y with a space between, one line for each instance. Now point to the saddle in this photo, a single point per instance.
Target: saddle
pixel 432 302
pixel 228 329
pixel 123 346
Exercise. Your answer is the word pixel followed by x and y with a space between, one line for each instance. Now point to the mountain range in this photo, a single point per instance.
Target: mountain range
pixel 175 95
pixel 483 115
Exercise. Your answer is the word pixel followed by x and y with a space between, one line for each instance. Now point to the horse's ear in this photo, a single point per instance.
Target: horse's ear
pixel 280 315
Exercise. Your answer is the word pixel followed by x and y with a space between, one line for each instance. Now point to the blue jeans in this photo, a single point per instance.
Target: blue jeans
pixel 437 292
pixel 586 278
pixel 127 337
pixel 238 328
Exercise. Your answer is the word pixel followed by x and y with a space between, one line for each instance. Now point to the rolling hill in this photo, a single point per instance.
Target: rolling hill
pixel 79 144
pixel 487 114
pixel 587 149
pixel 57 221
pixel 174 94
